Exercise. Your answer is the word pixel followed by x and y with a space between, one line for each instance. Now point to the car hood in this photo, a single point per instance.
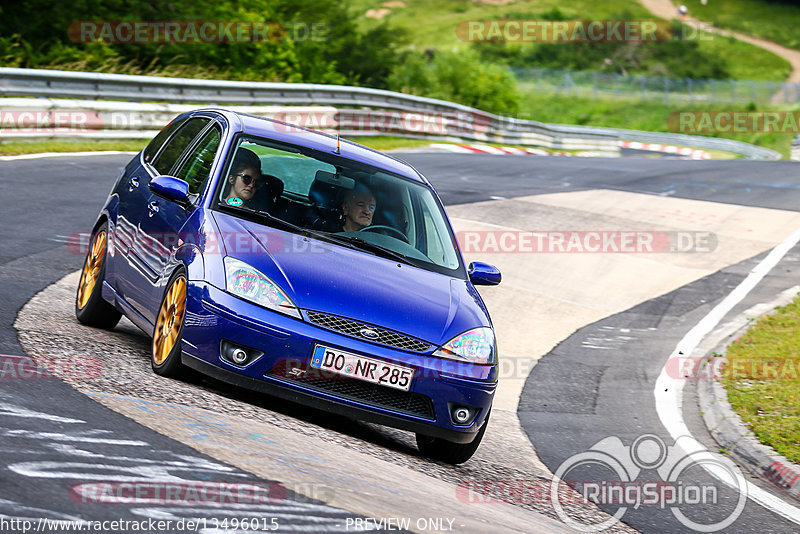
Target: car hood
pixel 335 279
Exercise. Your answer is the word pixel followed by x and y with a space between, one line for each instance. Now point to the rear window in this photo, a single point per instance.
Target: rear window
pixel 152 148
pixel 167 158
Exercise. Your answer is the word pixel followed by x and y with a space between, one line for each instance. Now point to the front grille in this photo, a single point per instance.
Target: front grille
pixel 358 390
pixel 353 328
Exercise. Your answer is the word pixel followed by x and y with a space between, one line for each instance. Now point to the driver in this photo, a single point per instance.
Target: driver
pixel 244 179
pixel 358 208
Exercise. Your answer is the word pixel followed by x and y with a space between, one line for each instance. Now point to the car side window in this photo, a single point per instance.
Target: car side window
pixel 152 148
pixel 175 146
pixel 197 167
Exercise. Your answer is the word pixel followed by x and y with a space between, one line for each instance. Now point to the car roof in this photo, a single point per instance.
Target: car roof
pixel 297 135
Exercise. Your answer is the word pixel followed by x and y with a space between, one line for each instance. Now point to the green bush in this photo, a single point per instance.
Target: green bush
pixel 343 53
pixel 460 77
pixel 675 58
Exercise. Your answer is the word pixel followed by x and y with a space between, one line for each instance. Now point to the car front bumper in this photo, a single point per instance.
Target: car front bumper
pixel 285 345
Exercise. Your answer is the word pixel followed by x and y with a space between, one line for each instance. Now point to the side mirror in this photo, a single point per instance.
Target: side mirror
pixel 483 274
pixel 171 188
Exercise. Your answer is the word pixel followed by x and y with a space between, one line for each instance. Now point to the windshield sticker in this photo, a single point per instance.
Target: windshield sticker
pixel 235 201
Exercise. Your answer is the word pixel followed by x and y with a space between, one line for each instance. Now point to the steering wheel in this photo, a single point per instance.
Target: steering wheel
pixel 387 230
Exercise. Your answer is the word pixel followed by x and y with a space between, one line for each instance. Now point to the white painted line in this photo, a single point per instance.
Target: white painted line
pixel 668 391
pixel 65 154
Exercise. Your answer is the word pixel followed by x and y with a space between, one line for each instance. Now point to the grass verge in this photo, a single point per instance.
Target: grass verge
pixel 15 148
pixel 434 24
pixel 385 142
pixel 762 378
pixel 776 21
pixel 634 115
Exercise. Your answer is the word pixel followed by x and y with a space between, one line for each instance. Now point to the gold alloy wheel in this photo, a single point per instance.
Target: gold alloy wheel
pixel 170 319
pixel 91 268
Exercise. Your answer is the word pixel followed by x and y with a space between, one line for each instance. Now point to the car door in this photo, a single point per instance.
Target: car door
pixel 132 192
pixel 165 224
pixel 144 251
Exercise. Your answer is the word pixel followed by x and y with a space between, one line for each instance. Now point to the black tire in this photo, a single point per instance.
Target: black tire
pixel 449 452
pixel 169 321
pixel 90 308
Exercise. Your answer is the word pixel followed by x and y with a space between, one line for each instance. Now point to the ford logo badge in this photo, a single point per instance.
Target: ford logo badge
pixel 369 333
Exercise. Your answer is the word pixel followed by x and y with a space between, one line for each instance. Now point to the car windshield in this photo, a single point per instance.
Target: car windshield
pixel 339 200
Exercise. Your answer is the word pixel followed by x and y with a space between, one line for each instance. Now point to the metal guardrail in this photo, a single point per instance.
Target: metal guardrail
pixel 139 96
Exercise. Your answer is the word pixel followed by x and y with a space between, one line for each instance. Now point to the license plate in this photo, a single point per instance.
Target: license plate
pixel 362 368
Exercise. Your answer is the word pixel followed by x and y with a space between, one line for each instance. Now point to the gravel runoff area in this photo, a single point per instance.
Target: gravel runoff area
pixel 49 332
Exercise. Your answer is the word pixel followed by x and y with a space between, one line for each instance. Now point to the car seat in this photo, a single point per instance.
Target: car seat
pixel 268 196
pixel 326 203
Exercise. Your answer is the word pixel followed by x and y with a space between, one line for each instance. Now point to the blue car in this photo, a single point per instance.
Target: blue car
pixel 291 262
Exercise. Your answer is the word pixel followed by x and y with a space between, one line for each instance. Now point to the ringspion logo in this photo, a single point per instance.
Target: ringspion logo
pixel 621 476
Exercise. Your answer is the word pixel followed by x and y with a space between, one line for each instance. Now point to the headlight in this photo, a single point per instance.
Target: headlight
pixel 473 346
pixel 248 283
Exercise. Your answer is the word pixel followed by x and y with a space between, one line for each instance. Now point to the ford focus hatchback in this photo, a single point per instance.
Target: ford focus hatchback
pixel 289 262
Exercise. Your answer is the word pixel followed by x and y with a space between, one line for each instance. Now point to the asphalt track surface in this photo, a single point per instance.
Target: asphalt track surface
pixel 569 402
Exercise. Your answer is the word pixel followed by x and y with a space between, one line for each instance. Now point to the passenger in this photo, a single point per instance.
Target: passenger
pixel 358 207
pixel 244 178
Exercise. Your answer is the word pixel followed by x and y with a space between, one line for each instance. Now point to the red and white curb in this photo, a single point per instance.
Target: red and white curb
pixel 504 150
pixel 691 153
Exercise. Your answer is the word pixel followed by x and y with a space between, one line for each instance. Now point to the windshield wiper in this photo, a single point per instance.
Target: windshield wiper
pixel 372 247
